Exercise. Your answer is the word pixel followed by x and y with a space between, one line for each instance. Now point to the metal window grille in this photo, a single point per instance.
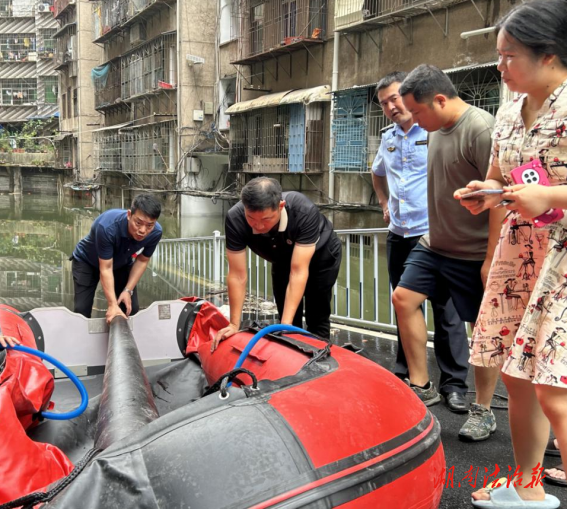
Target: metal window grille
pixel 46 42
pixel 65 50
pixel 75 102
pixel 51 87
pixel 108 150
pixel 269 24
pixel 235 20
pixel 136 150
pixel 349 12
pixel 9 8
pixel 19 91
pixel 108 89
pixel 277 140
pixel 479 87
pixel 377 121
pixel 350 130
pixel 17 47
pixel 149 68
pixel 65 153
pixel 112 14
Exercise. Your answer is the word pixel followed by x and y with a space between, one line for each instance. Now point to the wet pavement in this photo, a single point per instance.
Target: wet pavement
pixel 481 456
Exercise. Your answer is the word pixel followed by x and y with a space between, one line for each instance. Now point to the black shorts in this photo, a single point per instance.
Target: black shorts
pixel 440 277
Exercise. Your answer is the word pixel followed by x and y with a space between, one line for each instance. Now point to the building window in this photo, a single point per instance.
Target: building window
pixel 350 130
pixel 16 9
pixel 227 97
pixel 46 43
pixel 64 106
pixel 229 20
pixel 479 87
pixel 281 139
pixel 17 47
pixel 75 102
pixel 69 99
pixel 149 68
pixel 19 91
pixel 257 29
pixel 289 18
pixel 51 87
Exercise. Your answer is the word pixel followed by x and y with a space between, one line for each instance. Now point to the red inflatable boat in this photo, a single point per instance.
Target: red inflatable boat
pixel 304 424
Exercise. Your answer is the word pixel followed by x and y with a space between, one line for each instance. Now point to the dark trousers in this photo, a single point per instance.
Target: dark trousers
pixel 450 340
pixel 86 278
pixel 323 272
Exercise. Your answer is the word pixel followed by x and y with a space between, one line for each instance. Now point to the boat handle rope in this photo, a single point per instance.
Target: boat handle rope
pixel 53 361
pixel 223 382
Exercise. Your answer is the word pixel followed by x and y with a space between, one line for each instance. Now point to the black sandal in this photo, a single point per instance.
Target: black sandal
pixel 556 480
pixel 551 450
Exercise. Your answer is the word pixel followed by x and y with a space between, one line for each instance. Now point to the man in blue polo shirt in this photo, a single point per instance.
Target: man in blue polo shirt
pixel 116 251
pixel 400 167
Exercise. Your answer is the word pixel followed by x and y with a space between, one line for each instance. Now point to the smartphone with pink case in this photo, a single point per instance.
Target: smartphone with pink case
pixel 533 173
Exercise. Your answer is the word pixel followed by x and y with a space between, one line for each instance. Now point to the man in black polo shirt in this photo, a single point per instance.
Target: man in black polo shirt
pixel 116 251
pixel 288 230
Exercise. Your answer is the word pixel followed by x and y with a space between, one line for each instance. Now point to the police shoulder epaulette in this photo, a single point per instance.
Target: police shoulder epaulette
pixel 387 128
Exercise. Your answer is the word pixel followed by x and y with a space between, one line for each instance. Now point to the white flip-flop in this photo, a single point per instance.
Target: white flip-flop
pixel 507 497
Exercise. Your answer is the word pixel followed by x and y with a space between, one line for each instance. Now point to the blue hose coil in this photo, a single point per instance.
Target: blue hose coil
pixel 259 335
pixel 84 395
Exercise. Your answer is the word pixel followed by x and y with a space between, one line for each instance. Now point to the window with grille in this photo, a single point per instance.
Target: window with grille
pixel 51 86
pixel 149 68
pixel 46 42
pixel 479 87
pixel 289 18
pixel 257 29
pixel 350 130
pixel 19 91
pixel 229 20
pixel 17 47
pixel 16 9
pixel 75 102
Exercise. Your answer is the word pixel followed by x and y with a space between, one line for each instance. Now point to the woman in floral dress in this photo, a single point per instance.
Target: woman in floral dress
pixel 528 275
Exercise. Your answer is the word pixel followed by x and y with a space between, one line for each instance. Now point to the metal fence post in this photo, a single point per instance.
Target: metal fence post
pixel 217 258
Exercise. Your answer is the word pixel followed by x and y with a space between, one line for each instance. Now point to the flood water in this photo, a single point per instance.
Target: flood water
pixel 39 232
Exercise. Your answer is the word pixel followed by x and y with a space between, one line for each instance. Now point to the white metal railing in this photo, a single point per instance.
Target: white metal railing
pixel 361 295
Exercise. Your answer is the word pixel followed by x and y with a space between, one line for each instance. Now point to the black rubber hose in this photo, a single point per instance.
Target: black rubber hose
pixel 127 402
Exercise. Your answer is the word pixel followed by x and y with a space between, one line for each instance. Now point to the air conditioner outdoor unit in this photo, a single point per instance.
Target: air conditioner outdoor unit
pixel 137 33
pixel 43 8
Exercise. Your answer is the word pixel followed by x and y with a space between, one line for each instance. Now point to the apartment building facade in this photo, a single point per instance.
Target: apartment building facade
pixel 293 47
pixel 155 89
pixel 74 58
pixel 28 79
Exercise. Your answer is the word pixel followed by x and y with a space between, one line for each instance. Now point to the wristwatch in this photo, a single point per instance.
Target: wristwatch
pixel 131 292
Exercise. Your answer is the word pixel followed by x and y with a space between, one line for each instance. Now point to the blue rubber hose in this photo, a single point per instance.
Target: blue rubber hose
pixel 260 334
pixel 84 395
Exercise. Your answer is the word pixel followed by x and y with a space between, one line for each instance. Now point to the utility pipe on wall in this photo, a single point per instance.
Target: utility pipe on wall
pixel 334 86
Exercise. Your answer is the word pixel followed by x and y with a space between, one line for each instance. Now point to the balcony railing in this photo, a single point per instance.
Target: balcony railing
pixel 59 6
pixel 65 49
pixel 107 85
pixel 21 157
pixel 355 14
pixel 280 26
pixel 149 68
pixel 111 16
pixel 18 10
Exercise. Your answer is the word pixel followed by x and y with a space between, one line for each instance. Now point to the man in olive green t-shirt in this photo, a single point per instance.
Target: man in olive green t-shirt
pixel 454 258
